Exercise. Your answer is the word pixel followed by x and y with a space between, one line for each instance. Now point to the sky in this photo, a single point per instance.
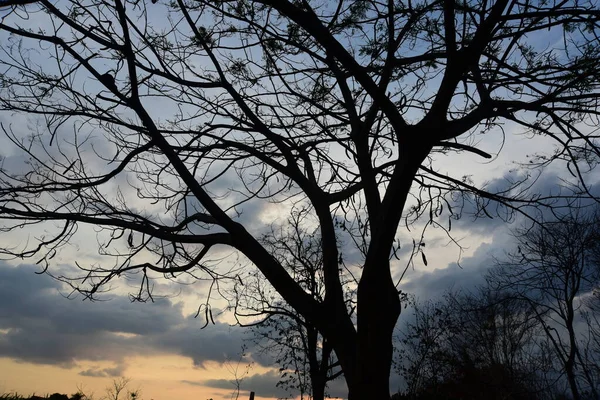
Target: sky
pixel 51 341
pixel 66 343
pixel 69 343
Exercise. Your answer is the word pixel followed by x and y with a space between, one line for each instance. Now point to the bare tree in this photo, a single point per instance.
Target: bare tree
pixel 159 123
pixel 483 345
pixel 552 269
pixel 305 357
pixel 119 390
pixel 591 315
pixel 590 353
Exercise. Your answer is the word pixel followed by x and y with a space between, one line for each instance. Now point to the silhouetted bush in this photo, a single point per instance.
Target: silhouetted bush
pixel 58 396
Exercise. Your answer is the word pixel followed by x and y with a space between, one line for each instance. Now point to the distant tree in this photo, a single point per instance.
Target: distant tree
pixel 119 390
pixel 553 267
pixel 591 314
pixel 82 394
pixel 58 396
pixel 305 357
pixel 158 123
pixel 591 346
pixel 475 346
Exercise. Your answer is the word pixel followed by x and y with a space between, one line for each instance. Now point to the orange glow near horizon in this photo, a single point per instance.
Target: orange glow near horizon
pixel 157 378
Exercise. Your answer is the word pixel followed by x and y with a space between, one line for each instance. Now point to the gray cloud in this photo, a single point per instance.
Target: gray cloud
pixel 263 385
pixel 338 388
pixel 467 275
pixel 218 342
pixel 104 372
pixel 41 326
pixel 38 344
pixel 471 270
pixel 553 182
pixel 36 298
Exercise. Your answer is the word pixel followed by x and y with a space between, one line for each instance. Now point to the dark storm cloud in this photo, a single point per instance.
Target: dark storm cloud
pixel 45 327
pixel 338 388
pixel 472 269
pixel 549 183
pixel 427 284
pixel 36 299
pixel 41 326
pixel 474 225
pixel 40 344
pixel 472 216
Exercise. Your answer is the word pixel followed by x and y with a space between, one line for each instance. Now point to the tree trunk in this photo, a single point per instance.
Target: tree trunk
pixel 572 381
pixel 378 311
pixel 318 388
pixel 570 364
pixel 367 370
pixel 317 370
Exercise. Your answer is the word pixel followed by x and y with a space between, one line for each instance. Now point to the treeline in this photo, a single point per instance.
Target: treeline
pixel 117 390
pixel 54 396
pixel 530 332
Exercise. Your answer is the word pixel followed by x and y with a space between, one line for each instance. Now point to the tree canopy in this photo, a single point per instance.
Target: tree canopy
pixel 165 124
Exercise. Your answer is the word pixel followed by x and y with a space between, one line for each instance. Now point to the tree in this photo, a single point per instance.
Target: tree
pixel 482 345
pixel 119 387
pixel 591 315
pixel 553 268
pixel 305 357
pixel 203 109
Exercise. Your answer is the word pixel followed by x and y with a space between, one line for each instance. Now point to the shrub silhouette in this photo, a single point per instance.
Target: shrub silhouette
pixel 58 396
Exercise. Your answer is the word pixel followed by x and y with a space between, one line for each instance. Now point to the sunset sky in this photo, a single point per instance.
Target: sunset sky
pixel 52 344
pixel 49 343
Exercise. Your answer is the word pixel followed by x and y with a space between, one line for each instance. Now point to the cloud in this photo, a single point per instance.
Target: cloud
pixel 104 372
pixel 489 237
pixel 338 388
pixel 263 385
pixel 219 342
pixel 38 344
pixel 550 185
pixel 39 325
pixel 466 275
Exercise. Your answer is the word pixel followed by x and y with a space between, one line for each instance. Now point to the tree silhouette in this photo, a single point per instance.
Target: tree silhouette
pixel 476 346
pixel 211 109
pixel 305 357
pixel 554 265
